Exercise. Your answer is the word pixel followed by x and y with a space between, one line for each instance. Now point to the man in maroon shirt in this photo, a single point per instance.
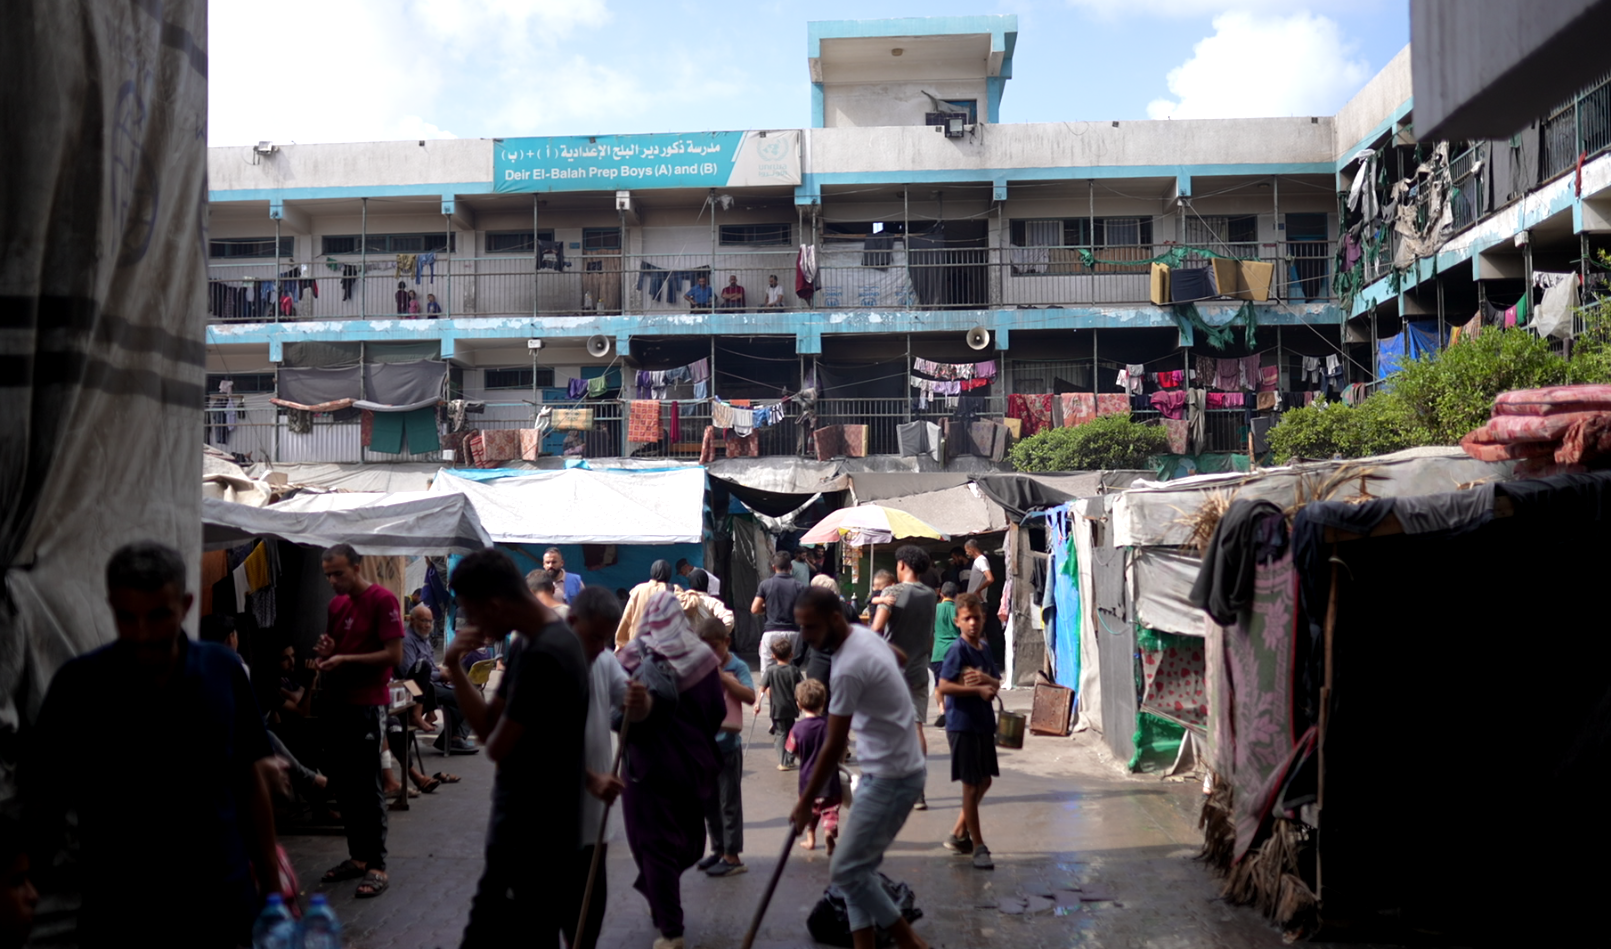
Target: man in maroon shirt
pixel 362 644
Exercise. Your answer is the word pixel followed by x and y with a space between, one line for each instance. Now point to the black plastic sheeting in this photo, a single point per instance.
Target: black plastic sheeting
pixel 1018 495
pixel 770 503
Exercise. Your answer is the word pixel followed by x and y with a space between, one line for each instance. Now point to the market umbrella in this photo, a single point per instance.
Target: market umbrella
pixel 869 524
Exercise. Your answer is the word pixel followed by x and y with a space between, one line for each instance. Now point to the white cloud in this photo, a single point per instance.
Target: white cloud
pixel 1257 65
pixel 378 70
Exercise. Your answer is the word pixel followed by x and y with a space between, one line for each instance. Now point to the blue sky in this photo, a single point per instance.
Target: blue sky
pixel 366 70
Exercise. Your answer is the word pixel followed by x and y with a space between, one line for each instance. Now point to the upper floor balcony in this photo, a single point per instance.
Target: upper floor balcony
pixel 870 275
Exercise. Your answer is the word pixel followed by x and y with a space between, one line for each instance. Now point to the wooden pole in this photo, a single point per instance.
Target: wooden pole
pixel 598 842
pixel 771 886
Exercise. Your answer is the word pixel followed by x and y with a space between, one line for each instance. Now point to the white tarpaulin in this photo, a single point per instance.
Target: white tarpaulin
pixel 954 511
pixel 1154 513
pixel 1160 580
pixel 380 525
pixel 587 506
pixel 103 359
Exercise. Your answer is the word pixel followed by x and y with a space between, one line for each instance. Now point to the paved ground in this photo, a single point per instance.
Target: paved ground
pixel 1061 814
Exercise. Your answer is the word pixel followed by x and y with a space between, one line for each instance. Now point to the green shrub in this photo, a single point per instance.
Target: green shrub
pixel 1105 442
pixel 1326 429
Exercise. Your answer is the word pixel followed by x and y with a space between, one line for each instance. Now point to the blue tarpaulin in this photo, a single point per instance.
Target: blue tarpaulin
pixel 1063 575
pixel 1390 355
pixel 1425 336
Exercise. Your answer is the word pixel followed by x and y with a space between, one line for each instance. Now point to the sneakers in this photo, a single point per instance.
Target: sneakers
pixel 724 869
pixel 709 861
pixel 981 859
pixel 662 942
pixel 922 803
pixel 785 767
pixel 962 845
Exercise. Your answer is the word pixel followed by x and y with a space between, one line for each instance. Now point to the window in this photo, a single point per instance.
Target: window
pixel 245 383
pixel 970 106
pixel 514 242
pixel 757 235
pixel 1218 231
pixel 518 378
pixel 231 247
pixel 435 243
pixel 1076 232
pixel 601 238
pixel 861 230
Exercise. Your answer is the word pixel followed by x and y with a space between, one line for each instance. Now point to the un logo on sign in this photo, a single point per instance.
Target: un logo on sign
pixel 773 150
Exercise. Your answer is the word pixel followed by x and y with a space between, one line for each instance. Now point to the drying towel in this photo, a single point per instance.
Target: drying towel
pixel 1269 378
pixel 1078 407
pixel 1250 373
pixel 597 387
pixel 257 568
pixel 1266 401
pixel 721 415
pixel 643 422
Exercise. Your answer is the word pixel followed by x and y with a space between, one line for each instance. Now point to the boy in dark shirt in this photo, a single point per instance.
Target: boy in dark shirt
pixel 534 729
pixel 969 681
pixel 807 739
pixel 778 684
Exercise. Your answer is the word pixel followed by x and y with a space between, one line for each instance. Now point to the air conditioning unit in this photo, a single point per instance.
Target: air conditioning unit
pixel 953 124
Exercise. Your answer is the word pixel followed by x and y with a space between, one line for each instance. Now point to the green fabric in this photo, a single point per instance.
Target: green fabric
pixel 1174 257
pixel 1523 306
pixel 945 629
pixel 1170 467
pixel 1191 322
pixel 596 387
pixel 1157 742
pixel 390 430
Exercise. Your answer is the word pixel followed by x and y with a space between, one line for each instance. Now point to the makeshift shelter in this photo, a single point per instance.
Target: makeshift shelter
pixel 411 523
pixel 1137 560
pixel 1348 648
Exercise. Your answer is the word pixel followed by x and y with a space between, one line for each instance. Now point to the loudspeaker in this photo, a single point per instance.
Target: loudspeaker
pixel 598 346
pixel 978 338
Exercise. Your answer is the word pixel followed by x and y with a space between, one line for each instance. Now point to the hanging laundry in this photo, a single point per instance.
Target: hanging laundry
pixel 531 444
pixel 1311 370
pixel 1227 375
pixel 721 414
pixel 1176 429
pixel 598 386
pixel 855 437
pixel 707 446
pixel 1249 377
pixel 1113 403
pixel 699 370
pixel 743 446
pixel 985 370
pixel 643 422
pixel 829 441
pixel 1034 410
pixel 573 420
pixel 743 421
pixel 1269 378
pixel 1170 379
pixel 1133 378
pixel 1266 401
pixel 1171 405
pixel 1077 408
pixel 576 388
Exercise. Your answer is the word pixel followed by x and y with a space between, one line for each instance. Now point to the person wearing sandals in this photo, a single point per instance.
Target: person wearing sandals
pixel 969 679
pixel 534 729
pixel 362 645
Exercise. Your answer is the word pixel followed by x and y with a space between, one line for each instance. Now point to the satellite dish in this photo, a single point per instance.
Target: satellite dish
pixel 598 346
pixel 978 338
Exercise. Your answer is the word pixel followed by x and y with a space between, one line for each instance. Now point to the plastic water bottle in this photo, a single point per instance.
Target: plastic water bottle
pixel 274 929
pixel 320 928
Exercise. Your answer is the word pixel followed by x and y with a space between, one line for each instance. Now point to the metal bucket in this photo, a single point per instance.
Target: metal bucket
pixel 1009 727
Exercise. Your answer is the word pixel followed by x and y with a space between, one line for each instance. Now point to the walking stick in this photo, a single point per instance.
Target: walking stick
pixel 598 843
pixel 771 885
pixel 754 718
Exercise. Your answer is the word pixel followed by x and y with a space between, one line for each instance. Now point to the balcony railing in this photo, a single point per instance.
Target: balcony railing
pixel 262 432
pixel 848 279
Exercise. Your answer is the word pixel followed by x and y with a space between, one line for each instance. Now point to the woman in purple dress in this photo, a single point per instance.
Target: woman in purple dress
pixel 671 759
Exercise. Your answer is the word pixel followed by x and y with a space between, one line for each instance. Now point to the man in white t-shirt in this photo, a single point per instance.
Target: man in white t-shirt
pixel 686 570
pixel 979 576
pixel 866 691
pixel 594 616
pixel 774 294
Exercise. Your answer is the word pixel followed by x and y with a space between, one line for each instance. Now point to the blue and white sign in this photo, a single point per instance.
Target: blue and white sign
pixel 660 160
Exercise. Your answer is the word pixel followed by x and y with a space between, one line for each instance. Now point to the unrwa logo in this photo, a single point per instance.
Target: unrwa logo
pixel 772 150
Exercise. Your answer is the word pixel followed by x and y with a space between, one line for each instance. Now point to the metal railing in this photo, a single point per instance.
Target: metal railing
pixel 1581 126
pixel 854 279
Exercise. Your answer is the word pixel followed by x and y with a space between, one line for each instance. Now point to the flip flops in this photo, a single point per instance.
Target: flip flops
pixel 446 778
pixel 345 870
pixel 377 885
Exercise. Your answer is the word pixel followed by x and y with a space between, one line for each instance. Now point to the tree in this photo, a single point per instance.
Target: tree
pixel 1106 442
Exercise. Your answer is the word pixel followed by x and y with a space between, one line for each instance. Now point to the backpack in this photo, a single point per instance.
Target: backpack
pixel 829 921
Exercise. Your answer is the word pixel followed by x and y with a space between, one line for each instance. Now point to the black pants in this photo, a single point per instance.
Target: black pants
pixel 595 906
pixel 780 739
pixel 516 901
pixel 352 735
pixel 445 699
pixel 724 813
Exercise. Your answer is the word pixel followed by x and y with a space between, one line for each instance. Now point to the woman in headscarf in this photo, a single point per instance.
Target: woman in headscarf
pixel 632 614
pixel 698 605
pixel 671 757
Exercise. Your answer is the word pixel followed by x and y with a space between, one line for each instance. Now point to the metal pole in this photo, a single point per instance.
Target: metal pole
pixel 447 266
pixel 363 259
pixel 1094 367
pixel 908 402
pixel 621 213
pixel 1280 360
pixel 1275 217
pixel 277 265
pixel 536 257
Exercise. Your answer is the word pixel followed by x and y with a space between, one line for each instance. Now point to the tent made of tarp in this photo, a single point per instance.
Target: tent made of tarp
pixel 374 524
pixel 586 505
pixel 958 511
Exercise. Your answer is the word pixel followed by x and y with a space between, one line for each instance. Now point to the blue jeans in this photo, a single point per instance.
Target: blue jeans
pixel 880 810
